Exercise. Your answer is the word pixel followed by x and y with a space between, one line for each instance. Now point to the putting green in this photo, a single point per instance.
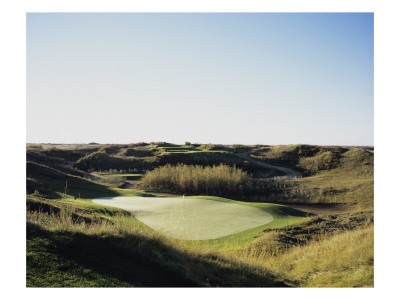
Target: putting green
pixel 190 218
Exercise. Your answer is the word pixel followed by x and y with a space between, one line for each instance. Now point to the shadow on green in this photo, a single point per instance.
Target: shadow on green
pixel 64 258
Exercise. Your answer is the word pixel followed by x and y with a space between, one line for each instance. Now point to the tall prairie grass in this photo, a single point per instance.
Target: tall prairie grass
pixel 345 259
pixel 340 260
pixel 199 180
pixel 198 263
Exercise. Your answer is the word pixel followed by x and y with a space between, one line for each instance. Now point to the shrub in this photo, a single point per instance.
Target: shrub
pixel 194 179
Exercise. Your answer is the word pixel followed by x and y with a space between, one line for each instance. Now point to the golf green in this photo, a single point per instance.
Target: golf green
pixel 190 218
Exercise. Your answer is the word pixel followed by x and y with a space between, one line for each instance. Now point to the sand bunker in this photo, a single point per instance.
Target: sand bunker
pixel 190 218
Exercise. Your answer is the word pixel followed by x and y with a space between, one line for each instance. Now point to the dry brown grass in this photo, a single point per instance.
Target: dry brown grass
pixel 342 260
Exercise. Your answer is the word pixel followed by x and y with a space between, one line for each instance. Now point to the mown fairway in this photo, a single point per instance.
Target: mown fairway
pixel 191 218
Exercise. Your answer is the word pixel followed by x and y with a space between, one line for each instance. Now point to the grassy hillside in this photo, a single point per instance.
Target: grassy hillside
pixel 66 250
pixel 138 158
pixel 309 159
pixel 279 240
pixel 345 259
pixel 336 175
pixel 331 174
pixel 72 241
pixel 61 251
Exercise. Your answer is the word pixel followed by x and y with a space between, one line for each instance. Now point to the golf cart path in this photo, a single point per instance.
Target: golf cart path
pixel 287 171
pixel 191 218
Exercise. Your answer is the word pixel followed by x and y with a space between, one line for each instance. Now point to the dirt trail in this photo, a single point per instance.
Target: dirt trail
pixel 130 184
pixel 287 171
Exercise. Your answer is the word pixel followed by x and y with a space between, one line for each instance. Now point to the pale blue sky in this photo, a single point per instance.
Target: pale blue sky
pixel 257 78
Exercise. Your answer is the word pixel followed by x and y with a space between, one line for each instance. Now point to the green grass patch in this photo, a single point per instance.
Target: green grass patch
pixel 126 176
pixel 282 216
pixel 80 195
pixel 170 148
pixel 45 266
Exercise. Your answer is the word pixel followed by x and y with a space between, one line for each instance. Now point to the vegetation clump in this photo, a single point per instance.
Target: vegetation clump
pixel 240 148
pixel 189 179
pixel 212 147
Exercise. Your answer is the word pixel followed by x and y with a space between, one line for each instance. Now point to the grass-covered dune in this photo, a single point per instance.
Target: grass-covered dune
pixel 141 157
pixel 349 180
pixel 344 259
pixel 310 159
pixel 52 182
pixel 101 161
pixel 101 256
pixel 66 249
pixel 72 241
pixel 330 174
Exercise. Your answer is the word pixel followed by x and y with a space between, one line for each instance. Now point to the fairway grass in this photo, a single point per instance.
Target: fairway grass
pixel 281 214
pixel 191 218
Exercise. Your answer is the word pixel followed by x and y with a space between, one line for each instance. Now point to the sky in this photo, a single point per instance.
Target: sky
pixel 226 78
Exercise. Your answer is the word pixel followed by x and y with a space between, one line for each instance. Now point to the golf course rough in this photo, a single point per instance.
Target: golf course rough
pixel 190 218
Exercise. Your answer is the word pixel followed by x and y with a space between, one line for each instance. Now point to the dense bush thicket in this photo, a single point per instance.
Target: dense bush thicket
pixel 209 159
pixel 219 180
